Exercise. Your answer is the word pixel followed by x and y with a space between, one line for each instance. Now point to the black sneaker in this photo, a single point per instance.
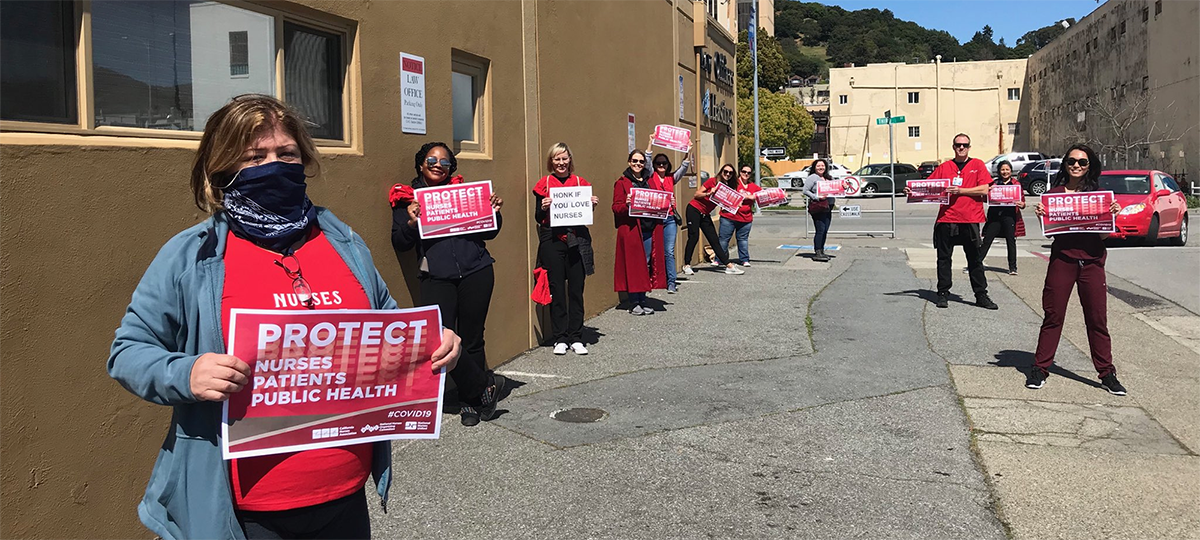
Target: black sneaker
pixel 984 302
pixel 491 397
pixel 943 300
pixel 1110 383
pixel 470 416
pixel 1035 379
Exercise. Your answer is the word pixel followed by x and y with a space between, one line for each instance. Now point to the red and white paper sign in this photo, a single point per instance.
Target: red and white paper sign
pixel 831 188
pixel 455 209
pixel 327 378
pixel 650 203
pixel 727 198
pixel 768 197
pixel 1005 195
pixel 1078 212
pixel 928 191
pixel 672 138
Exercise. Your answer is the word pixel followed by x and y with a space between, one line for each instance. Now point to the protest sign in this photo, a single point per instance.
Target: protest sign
pixel 1006 195
pixel 650 203
pixel 831 188
pixel 1078 212
pixel 455 209
pixel 570 206
pixel 768 197
pixel 727 198
pixel 327 378
pixel 672 138
pixel 928 191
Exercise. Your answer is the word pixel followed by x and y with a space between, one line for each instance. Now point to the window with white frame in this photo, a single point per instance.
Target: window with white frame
pixel 914 132
pixel 914 97
pixel 843 99
pixel 469 102
pixel 1014 94
pixel 1014 128
pixel 166 65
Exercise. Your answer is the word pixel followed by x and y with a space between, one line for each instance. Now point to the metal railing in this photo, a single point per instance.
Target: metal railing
pixel 803 203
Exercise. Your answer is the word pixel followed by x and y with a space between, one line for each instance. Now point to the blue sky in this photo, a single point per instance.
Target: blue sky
pixel 1010 19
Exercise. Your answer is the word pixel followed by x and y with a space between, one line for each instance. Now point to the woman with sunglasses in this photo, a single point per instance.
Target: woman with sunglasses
pixel 1002 220
pixel 1076 259
pixel 455 274
pixel 565 253
pixel 699 212
pixel 739 223
pixel 639 265
pixel 820 208
pixel 264 246
pixel 662 168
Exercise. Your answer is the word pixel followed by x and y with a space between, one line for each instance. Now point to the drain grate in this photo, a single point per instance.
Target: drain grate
pixel 1134 299
pixel 579 416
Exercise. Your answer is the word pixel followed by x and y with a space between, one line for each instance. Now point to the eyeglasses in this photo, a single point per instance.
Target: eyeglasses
pixel 962 145
pixel 299 284
pixel 431 161
pixel 1071 161
pixel 637 161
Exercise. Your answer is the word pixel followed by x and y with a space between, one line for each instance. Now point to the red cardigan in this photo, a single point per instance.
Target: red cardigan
pixel 630 271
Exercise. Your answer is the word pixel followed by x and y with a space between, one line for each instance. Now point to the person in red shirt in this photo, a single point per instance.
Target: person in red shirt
pixel 640 262
pixel 958 222
pixel 1076 259
pixel 698 212
pixel 739 223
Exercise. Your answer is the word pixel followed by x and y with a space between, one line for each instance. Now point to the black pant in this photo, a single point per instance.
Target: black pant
pixel 696 223
pixel 822 221
pixel 945 237
pixel 564 270
pixel 1002 225
pixel 464 303
pixel 346 517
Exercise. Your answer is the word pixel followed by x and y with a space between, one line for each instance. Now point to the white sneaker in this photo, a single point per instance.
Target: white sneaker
pixel 715 263
pixel 688 270
pixel 733 270
pixel 560 348
pixel 746 264
pixel 578 348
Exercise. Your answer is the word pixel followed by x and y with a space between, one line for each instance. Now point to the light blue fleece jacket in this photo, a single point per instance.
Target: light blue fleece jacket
pixel 173 318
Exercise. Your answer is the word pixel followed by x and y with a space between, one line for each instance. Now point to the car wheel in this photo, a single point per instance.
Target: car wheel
pixel 1152 232
pixel 869 190
pixel 1037 187
pixel 1183 232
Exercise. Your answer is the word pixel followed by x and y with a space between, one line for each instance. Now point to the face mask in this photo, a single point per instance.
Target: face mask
pixel 268 204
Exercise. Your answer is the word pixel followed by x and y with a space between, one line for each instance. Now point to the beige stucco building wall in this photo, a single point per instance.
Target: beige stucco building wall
pixel 952 97
pixel 766 15
pixel 83 214
pixel 1134 62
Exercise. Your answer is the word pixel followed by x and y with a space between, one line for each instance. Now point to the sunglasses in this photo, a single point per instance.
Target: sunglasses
pixel 962 145
pixel 431 161
pixel 637 161
pixel 299 284
pixel 726 171
pixel 746 172
pixel 1071 161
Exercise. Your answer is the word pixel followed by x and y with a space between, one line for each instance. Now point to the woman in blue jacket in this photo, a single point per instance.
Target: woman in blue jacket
pixel 250 174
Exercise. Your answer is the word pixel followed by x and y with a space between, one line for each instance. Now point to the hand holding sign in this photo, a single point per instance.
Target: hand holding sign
pixel 215 377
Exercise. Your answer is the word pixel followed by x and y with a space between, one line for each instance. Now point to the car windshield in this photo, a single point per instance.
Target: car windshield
pixel 1134 184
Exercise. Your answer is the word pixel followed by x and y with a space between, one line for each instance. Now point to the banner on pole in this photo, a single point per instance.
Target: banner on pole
pixel 455 209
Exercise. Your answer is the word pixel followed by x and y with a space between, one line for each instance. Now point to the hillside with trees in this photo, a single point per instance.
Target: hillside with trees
pixel 815 37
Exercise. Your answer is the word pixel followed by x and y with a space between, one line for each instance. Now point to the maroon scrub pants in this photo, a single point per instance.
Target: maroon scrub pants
pixel 1062 275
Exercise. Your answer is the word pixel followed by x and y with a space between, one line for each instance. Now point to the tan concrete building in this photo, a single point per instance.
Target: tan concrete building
pixel 938 100
pixel 766 15
pixel 1126 80
pixel 100 112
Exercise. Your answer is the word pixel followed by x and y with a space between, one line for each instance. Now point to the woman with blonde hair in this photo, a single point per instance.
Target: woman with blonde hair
pixel 264 241
pixel 565 252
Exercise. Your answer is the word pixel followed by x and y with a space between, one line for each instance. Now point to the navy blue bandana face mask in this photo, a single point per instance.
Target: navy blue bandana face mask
pixel 268 204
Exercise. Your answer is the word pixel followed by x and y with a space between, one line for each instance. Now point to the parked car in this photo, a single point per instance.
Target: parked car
pixel 1018 160
pixel 1152 206
pixel 1035 178
pixel 876 178
pixel 926 168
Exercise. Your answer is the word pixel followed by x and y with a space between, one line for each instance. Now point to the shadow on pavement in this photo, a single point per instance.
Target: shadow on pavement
pixel 1022 361
pixel 929 296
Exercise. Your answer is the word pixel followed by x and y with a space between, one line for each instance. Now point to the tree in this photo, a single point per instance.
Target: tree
pixel 1126 126
pixel 772 68
pixel 782 122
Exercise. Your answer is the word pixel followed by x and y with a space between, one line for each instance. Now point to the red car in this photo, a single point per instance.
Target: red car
pixel 1152 206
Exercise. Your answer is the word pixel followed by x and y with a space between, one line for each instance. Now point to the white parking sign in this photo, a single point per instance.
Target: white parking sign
pixel 850 211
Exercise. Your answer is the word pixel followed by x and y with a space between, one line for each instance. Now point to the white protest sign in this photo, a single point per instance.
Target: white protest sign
pixel 570 206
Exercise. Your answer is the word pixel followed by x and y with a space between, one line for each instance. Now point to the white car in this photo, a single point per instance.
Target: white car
pixel 1018 160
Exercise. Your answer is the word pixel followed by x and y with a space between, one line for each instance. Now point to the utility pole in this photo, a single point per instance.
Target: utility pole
pixel 751 33
pixel 892 159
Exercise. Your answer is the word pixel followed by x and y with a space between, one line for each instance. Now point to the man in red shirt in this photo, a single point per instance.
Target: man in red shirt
pixel 958 222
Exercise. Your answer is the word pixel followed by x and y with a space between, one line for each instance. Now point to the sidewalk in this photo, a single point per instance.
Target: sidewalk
pixel 724 419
